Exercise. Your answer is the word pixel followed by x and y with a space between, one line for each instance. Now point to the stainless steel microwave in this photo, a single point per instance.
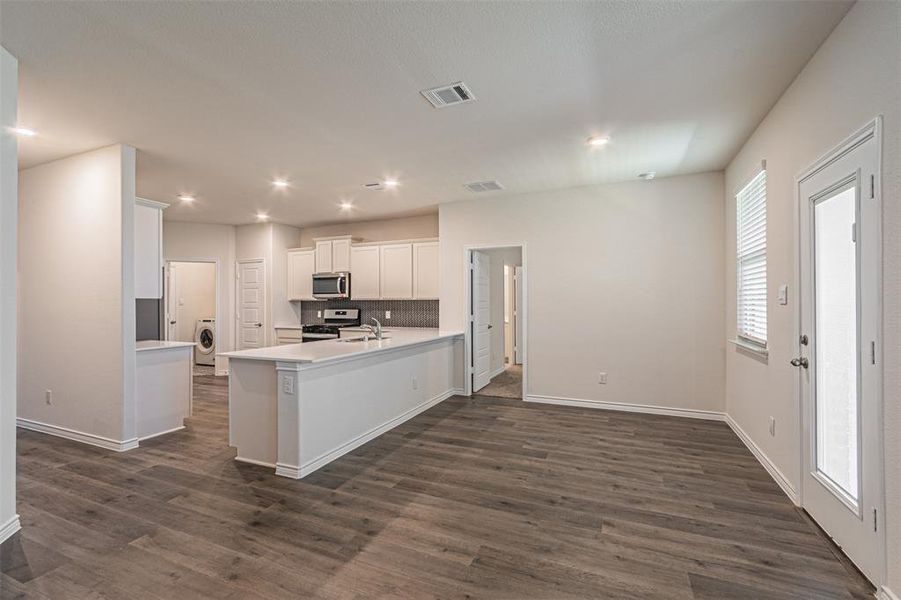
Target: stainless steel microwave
pixel 331 285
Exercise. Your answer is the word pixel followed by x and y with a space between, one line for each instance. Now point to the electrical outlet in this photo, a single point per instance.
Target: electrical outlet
pixel 773 426
pixel 287 384
pixel 414 382
pixel 49 396
pixel 387 314
pixel 602 378
pixel 318 314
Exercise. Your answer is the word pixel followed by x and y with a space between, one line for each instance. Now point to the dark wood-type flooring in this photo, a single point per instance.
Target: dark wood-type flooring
pixel 475 498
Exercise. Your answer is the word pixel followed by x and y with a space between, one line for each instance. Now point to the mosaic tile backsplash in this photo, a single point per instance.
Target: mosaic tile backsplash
pixel 404 313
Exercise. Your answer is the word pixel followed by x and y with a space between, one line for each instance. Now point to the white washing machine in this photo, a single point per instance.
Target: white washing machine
pixel 205 338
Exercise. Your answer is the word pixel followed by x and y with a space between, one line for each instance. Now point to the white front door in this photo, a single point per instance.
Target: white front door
pixel 839 351
pixel 251 304
pixel 481 320
pixel 171 294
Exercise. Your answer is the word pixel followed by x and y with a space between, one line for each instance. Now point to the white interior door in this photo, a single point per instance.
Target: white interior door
pixel 481 320
pixel 517 321
pixel 839 353
pixel 171 294
pixel 251 304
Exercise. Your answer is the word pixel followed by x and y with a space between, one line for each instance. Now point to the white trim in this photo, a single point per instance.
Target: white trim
pixel 151 203
pixel 9 528
pixel 690 413
pixel 781 480
pixel 886 594
pixel 751 347
pixel 218 312
pixel 153 435
pixel 222 373
pixel 252 461
pixel 295 472
pixel 78 436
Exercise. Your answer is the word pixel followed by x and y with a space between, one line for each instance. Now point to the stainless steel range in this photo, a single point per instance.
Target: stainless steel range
pixel 335 319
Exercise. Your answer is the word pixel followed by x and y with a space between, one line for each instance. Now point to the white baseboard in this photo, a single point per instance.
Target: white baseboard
pixel 458 392
pixel 886 594
pixel 78 436
pixel 221 373
pixel 777 475
pixel 497 372
pixel 9 528
pixel 295 472
pixel 707 415
pixel 153 435
pixel 253 461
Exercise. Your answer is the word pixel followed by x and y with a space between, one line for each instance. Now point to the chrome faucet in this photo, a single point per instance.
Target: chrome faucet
pixel 377 330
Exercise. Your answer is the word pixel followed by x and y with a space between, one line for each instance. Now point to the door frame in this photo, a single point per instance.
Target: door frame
pixel 872 129
pixel 467 311
pixel 210 260
pixel 266 302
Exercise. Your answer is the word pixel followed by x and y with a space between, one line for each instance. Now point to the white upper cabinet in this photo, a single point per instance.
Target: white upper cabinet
pixel 324 256
pixel 341 256
pixel 333 254
pixel 301 266
pixel 396 271
pixel 148 248
pixel 365 273
pixel 425 271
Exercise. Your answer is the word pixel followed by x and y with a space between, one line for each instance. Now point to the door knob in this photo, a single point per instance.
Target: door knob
pixel 259 324
pixel 800 362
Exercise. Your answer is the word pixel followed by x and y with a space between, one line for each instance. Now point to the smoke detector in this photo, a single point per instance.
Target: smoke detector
pixel 448 95
pixel 647 176
pixel 483 186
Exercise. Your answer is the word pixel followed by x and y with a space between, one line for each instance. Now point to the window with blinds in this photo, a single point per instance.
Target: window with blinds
pixel 750 211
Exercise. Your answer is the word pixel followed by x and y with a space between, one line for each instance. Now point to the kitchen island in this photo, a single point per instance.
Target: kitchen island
pixel 297 408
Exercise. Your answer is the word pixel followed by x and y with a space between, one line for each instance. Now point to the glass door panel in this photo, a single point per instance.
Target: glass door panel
pixel 836 342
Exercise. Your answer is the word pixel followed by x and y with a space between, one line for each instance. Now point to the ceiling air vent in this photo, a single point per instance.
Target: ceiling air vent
pixel 484 186
pixel 447 95
pixel 377 186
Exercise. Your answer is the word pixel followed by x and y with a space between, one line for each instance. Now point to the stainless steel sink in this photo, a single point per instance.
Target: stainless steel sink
pixel 354 340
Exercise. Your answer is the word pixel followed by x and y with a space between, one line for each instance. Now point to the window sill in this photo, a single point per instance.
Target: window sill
pixel 751 347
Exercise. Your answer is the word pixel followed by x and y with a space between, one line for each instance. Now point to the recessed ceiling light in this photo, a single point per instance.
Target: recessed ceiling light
pixel 597 140
pixel 186 197
pixel 647 176
pixel 346 205
pixel 280 183
pixel 24 131
pixel 261 216
pixel 390 183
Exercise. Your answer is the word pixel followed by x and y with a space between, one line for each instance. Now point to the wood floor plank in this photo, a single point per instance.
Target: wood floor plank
pixel 475 498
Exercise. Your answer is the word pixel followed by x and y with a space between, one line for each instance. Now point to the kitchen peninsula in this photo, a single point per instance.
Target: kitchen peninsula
pixel 298 407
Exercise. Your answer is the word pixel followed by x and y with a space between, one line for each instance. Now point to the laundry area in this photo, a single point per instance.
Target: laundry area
pixel 191 310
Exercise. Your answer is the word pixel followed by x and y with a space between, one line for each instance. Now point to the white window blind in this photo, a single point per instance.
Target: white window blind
pixel 750 213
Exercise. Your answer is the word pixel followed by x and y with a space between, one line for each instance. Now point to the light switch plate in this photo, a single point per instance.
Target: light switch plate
pixel 783 294
pixel 387 314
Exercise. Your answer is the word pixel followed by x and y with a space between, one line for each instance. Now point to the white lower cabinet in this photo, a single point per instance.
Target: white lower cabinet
pixel 301 266
pixel 365 272
pixel 396 266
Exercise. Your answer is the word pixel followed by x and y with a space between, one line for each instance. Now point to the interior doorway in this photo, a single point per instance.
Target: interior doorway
pixel 191 308
pixel 496 344
pixel 839 349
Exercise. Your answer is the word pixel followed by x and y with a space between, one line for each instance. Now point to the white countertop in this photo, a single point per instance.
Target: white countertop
pixel 326 350
pixel 160 345
pixel 295 326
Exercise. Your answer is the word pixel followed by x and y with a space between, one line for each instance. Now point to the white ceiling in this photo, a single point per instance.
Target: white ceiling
pixel 219 98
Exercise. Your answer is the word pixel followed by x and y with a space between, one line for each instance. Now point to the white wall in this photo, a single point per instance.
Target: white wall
pixel 853 77
pixel 9 520
pixel 624 278
pixel 283 312
pixel 383 230
pixel 196 296
pixel 209 242
pixel 75 217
